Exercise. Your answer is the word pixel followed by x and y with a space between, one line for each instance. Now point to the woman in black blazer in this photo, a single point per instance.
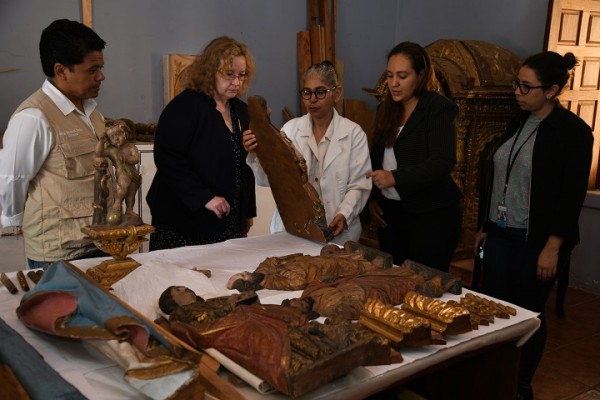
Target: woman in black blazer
pixel 415 202
pixel 536 188
pixel 203 191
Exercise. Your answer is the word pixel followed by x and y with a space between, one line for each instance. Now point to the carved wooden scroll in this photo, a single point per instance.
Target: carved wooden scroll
pixel 298 202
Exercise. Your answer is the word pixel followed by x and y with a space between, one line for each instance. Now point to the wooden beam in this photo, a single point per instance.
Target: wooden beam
pixel 304 57
pixel 326 23
pixel 316 44
pixel 86 12
pixel 333 30
pixel 313 13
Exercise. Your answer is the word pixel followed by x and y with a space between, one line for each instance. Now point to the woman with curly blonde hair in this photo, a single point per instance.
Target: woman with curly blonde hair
pixel 203 191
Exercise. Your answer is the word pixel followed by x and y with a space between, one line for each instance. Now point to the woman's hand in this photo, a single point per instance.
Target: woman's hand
pixel 479 240
pixel 382 178
pixel 376 214
pixel 338 224
pixel 249 223
pixel 548 258
pixel 249 141
pixel 219 206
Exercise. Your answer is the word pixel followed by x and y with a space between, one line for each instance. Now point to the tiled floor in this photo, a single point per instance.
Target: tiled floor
pixel 570 368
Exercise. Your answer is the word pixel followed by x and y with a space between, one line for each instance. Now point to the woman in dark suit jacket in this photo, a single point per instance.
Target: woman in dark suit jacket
pixel 537 184
pixel 415 202
pixel 203 191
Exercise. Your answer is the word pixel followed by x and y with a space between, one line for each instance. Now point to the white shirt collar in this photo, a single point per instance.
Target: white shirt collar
pixel 65 105
pixel 307 132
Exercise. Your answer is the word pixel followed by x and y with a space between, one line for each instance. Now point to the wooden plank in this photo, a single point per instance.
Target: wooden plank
pixel 287 114
pixel 333 30
pixel 357 111
pixel 316 51
pixel 297 200
pixel 339 68
pixel 86 12
pixel 11 386
pixel 304 57
pixel 313 12
pixel 326 23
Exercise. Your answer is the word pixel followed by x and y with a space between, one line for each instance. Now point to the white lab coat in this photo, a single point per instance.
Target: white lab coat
pixel 344 187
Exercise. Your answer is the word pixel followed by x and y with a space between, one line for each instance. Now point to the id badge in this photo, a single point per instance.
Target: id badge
pixel 502 216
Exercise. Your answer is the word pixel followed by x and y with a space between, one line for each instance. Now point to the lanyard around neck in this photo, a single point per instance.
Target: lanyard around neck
pixel 511 160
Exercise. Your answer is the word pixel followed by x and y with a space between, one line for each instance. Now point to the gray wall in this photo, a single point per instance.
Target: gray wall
pixel 139 32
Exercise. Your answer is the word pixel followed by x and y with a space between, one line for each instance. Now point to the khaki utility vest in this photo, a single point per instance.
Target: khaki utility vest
pixel 60 196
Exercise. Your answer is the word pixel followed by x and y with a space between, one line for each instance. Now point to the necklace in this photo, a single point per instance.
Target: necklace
pixel 226 114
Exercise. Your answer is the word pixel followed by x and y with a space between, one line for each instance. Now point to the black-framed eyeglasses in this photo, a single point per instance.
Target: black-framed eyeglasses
pixel 319 93
pixel 230 76
pixel 523 87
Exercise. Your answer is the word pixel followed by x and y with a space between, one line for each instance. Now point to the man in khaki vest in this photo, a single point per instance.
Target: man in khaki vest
pixel 46 165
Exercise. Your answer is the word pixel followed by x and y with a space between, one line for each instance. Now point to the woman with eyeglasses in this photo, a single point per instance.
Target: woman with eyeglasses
pixel 415 202
pixel 532 198
pixel 203 191
pixel 336 153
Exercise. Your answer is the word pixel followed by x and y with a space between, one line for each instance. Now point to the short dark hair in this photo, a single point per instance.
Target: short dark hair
pixel 67 42
pixel 551 68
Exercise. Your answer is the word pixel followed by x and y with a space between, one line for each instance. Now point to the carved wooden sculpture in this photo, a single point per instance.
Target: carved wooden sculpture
pixel 297 201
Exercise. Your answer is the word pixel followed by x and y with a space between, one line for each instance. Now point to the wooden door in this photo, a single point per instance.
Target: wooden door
pixel 574 26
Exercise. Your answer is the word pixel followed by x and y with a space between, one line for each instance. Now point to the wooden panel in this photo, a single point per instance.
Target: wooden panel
pixel 298 202
pixel 569 27
pixel 590 74
pixel 86 13
pixel 341 73
pixel 326 20
pixel 574 26
pixel 587 111
pixel 175 69
pixel 316 44
pixel 593 32
pixel 357 111
pixel 304 58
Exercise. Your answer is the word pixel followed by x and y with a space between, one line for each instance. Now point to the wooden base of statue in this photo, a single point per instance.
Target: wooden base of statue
pixel 119 242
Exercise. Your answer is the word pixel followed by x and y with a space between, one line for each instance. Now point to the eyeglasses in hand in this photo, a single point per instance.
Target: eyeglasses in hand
pixel 319 93
pixel 523 87
pixel 230 76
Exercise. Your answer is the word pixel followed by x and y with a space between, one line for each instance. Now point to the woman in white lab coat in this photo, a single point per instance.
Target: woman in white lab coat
pixel 336 153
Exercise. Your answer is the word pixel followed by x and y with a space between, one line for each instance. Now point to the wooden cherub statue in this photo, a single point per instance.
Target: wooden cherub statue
pixel 124 157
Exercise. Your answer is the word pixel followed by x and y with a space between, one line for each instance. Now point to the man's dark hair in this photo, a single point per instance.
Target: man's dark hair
pixel 67 42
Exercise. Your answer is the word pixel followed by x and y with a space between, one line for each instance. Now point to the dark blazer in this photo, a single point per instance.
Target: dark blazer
pixel 562 156
pixel 426 153
pixel 195 162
